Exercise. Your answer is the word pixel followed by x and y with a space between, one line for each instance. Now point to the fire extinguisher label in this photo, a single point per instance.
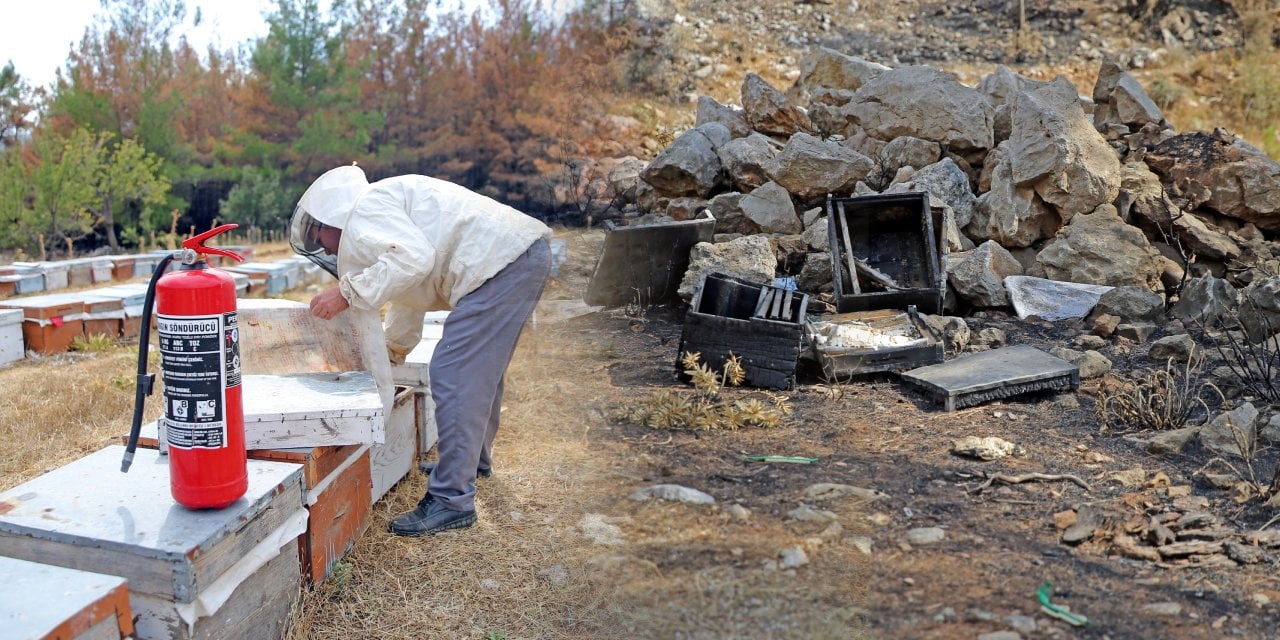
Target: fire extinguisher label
pixel 197 355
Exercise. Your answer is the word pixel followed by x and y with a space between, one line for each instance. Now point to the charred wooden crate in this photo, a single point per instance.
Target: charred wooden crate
pixel 644 264
pixel 862 342
pixel 885 253
pixel 228 573
pixel 760 324
pixel 976 378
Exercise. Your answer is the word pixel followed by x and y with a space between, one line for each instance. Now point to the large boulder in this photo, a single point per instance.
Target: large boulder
pixel 708 110
pixel 1131 304
pixel 1002 87
pixel 771 208
pixel 690 166
pixel 750 258
pixel 1221 172
pixel 908 151
pixel 925 103
pixel 830 69
pixel 769 111
pixel 1153 210
pixel 726 208
pixel 1260 309
pixel 1204 300
pixel 810 167
pixel 1099 248
pixel 815 275
pixel 1053 147
pixel 746 159
pixel 1012 215
pixel 979 278
pixel 946 184
pixel 623 177
pixel 1120 99
pixel 816 236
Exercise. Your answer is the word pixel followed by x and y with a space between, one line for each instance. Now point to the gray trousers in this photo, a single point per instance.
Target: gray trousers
pixel 467 368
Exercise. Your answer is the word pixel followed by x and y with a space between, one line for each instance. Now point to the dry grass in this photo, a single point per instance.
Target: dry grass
pixel 58 409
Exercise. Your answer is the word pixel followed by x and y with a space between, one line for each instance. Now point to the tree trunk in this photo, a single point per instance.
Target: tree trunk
pixel 109 219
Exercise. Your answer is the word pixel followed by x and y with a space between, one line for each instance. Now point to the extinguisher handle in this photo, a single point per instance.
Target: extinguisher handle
pixel 196 243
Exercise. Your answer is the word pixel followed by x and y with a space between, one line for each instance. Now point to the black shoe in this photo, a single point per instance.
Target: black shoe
pixel 427 467
pixel 431 517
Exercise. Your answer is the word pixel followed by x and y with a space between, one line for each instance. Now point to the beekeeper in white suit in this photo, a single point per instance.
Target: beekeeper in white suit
pixel 422 244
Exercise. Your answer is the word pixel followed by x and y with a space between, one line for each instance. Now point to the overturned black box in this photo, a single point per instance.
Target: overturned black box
pixel 643 264
pixel 761 324
pixel 885 253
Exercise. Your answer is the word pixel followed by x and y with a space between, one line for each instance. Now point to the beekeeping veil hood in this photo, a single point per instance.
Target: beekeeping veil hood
pixel 328 202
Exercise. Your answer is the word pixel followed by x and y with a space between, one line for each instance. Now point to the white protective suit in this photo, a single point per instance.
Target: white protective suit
pixel 416 242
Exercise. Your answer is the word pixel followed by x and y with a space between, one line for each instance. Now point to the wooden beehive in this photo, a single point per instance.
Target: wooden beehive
pixel 229 573
pixel 131 297
pixel 337 483
pixel 51 322
pixel 393 459
pixel 103 315
pixel 336 488
pixel 11 345
pixel 885 253
pixel 889 340
pixel 762 325
pixel 122 267
pixel 45 601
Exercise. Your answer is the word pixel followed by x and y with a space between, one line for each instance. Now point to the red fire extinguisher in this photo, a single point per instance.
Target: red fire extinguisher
pixel 199 337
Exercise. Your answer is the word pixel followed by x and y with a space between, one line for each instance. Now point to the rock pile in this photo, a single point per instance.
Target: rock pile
pixel 1031 178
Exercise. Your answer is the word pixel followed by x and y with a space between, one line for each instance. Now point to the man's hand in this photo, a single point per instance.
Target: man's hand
pixel 328 303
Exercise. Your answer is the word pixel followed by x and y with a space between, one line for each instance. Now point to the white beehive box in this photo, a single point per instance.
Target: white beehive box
pixel 11 345
pixel 311 410
pixel 229 573
pixel 46 601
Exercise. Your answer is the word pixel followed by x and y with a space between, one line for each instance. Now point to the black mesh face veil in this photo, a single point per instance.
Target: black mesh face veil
pixel 304 237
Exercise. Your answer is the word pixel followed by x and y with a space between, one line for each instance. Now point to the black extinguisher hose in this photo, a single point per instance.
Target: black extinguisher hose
pixel 146 381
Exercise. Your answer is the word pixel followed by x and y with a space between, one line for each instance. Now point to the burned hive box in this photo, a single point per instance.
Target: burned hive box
pixel 992 375
pixel 885 253
pixel 645 263
pixel 762 325
pixel 861 342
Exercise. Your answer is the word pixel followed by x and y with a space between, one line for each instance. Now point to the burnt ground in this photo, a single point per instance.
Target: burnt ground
pixel 1002 541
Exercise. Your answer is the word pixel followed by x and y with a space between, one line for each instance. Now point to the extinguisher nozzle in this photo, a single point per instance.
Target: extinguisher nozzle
pixel 127 462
